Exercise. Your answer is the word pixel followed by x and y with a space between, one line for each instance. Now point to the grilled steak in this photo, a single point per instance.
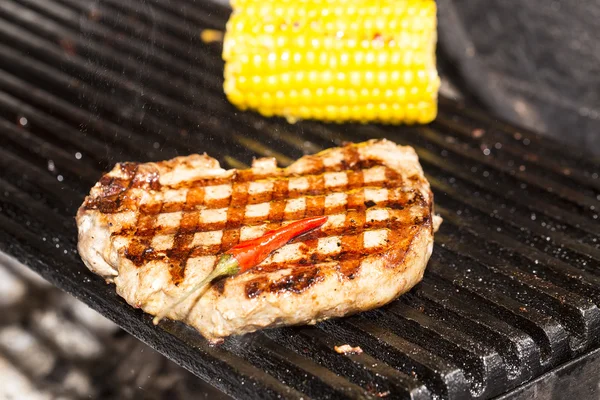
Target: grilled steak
pixel 156 229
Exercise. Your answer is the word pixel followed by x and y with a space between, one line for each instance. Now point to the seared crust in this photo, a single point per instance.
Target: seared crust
pixel 156 229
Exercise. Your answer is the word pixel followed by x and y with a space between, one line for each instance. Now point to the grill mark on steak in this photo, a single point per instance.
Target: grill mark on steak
pixel 348 260
pixel 190 219
pixel 256 287
pixel 348 264
pixel 108 204
pixel 114 190
pixel 140 252
pixel 354 178
pixel 278 202
pixel 351 242
pixel 396 201
pixel 243 176
pixel 139 249
pixel 235 215
pixel 309 240
pixel 219 285
pixel 351 157
pixel 403 199
pixel 114 197
pixel 315 199
pixel 297 281
pixel 315 206
pixel 311 257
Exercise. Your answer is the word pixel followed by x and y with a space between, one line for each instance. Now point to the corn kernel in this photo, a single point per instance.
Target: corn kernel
pixel 371 60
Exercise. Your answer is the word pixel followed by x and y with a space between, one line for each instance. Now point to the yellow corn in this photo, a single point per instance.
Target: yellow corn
pixel 333 60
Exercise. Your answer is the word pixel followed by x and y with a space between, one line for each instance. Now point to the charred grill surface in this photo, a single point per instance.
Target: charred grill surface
pixel 511 291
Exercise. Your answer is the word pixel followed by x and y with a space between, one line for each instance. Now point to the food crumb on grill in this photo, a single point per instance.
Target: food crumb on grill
pixel 347 349
pixel 211 36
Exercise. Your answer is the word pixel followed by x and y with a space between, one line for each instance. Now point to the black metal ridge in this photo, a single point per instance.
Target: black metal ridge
pixel 512 289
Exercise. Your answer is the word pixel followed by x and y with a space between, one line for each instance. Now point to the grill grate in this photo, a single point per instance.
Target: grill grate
pixel 511 291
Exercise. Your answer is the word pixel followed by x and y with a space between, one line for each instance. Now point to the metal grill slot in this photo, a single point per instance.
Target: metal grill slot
pixel 536 257
pixel 131 26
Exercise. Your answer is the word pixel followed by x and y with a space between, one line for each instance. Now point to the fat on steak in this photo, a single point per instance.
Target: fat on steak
pixel 156 229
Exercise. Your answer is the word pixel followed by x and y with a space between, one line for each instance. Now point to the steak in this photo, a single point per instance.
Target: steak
pixel 157 229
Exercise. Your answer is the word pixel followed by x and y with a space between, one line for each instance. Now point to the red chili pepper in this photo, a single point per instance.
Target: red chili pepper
pixel 248 254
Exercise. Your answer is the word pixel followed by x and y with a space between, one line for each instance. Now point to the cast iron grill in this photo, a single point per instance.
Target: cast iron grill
pixel 511 291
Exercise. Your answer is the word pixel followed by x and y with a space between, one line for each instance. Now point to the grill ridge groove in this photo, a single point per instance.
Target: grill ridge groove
pixel 9 162
pixel 133 28
pixel 507 209
pixel 497 278
pixel 574 177
pixel 291 369
pixel 506 217
pixel 446 379
pixel 217 12
pixel 360 368
pixel 491 332
pixel 79 70
pixel 52 126
pixel 145 119
pixel 482 367
pixel 533 240
pixel 524 199
pixel 548 338
pixel 550 148
pixel 40 148
pixel 122 139
pixel 530 253
pixel 99 33
pixel 540 182
pixel 577 304
pixel 17 198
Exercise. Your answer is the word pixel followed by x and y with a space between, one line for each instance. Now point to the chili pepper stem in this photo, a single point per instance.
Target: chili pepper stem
pixel 226 266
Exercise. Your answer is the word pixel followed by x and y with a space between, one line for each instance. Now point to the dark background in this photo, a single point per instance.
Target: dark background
pixel 533 62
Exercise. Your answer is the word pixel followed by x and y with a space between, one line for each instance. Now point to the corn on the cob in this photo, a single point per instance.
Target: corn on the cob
pixel 333 60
